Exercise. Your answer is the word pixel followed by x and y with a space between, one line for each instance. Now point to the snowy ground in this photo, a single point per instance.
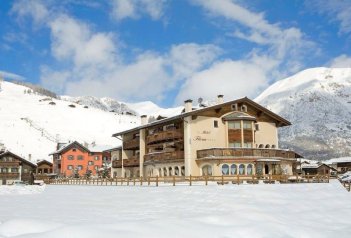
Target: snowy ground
pixel 286 210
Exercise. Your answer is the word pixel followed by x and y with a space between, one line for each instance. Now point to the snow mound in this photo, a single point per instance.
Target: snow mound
pixel 17 227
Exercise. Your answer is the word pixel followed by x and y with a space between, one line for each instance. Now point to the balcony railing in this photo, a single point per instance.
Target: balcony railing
pixel 131 162
pixel 246 152
pixel 164 136
pixel 131 144
pixel 9 163
pixel 164 156
pixel 9 175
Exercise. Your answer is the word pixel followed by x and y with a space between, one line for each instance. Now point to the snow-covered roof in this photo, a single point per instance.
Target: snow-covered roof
pixel 338 160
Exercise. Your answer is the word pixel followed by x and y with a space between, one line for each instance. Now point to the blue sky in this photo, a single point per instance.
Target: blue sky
pixel 168 51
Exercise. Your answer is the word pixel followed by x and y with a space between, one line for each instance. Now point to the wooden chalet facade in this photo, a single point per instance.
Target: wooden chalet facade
pixel 44 167
pixel 237 137
pixel 75 159
pixel 14 168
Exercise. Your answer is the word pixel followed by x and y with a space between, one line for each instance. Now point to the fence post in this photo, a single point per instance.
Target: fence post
pixel 148 181
pixel 157 181
pixel 297 178
pixel 134 181
pixel 206 180
pixel 349 186
pixel 127 181
pixel 270 178
pixel 190 180
pixel 308 177
pixel 173 180
pixel 222 179
pixel 328 177
pixel 141 181
pixel 238 179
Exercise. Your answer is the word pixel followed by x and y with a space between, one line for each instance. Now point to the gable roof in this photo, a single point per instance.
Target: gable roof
pixel 6 153
pixel 69 146
pixel 44 162
pixel 245 100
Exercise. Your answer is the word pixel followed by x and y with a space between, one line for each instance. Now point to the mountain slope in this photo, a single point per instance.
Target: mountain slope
pixel 318 103
pixel 32 124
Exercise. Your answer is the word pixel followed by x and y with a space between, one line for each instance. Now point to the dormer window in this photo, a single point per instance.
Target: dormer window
pixel 257 127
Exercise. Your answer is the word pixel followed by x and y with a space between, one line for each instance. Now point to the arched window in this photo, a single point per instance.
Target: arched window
pixel 164 171
pixel 241 169
pixel 176 171
pixel 225 169
pixel 160 172
pixel 267 146
pixel 233 169
pixel 182 170
pixel 249 169
pixel 273 147
pixel 261 146
pixel 170 171
pixel 207 170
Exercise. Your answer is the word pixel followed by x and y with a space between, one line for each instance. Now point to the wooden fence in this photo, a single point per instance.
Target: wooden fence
pixel 191 180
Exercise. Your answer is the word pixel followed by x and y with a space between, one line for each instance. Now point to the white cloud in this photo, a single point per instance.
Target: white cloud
pixel 278 53
pixel 9 75
pixel 342 61
pixel 337 10
pixel 122 9
pixel 35 9
pixel 73 40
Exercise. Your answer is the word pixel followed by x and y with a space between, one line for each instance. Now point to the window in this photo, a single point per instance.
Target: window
pixel 215 124
pixel 235 145
pixel 3 170
pixel 164 172
pixel 234 125
pixel 247 145
pixel 273 147
pixel 170 171
pixel 182 171
pixel 247 125
pixel 73 149
pixel 233 169
pixel 69 167
pixel 176 170
pixel 234 107
pixel 96 158
pixel 80 157
pixel 225 169
pixel 257 127
pixel 249 169
pixel 241 169
pixel 207 170
pixel 267 146
pixel 96 167
pixel 243 108
pixel 14 170
pixel 91 163
pixel 70 157
pixel 80 167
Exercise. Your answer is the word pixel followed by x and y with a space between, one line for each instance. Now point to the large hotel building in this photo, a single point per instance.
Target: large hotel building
pixel 238 137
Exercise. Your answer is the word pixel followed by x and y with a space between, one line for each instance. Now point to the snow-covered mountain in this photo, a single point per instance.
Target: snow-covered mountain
pixel 33 122
pixel 318 103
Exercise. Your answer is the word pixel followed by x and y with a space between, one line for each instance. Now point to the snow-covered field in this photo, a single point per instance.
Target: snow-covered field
pixel 286 210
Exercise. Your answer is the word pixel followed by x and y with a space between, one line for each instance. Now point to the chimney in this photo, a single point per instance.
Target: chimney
pixel 30 157
pixel 188 105
pixel 143 120
pixel 219 99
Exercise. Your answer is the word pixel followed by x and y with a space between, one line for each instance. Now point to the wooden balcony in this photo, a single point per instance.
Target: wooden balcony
pixel 9 175
pixel 246 152
pixel 9 164
pixel 159 157
pixel 131 144
pixel 163 136
pixel 131 162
